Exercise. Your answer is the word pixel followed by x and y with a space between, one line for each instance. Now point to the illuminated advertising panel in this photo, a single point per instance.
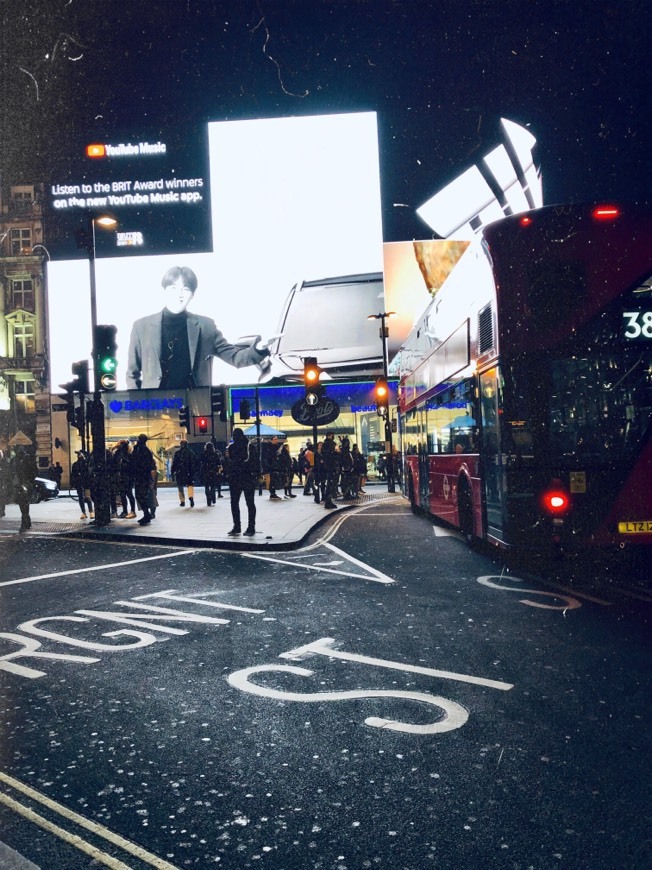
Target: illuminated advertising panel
pixel 157 187
pixel 294 202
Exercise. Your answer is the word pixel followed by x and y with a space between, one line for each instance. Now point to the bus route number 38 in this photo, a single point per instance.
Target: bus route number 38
pixel 638 324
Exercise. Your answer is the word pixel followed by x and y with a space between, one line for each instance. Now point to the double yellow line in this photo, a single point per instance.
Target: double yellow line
pixel 73 839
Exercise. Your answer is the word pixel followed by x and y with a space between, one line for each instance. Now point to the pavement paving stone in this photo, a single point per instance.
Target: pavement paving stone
pixel 280 525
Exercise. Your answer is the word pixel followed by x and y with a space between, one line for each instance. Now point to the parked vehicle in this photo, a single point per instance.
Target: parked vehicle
pixel 44 489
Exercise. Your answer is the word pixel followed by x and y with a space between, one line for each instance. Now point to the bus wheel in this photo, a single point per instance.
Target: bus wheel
pixel 465 511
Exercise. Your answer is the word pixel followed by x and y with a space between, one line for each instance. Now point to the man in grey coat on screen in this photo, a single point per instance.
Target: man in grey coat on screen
pixel 174 348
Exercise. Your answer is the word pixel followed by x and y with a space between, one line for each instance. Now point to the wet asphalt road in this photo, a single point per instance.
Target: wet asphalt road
pixel 465 716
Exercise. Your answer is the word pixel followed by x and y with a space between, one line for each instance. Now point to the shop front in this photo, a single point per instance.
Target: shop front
pixel 156 413
pixel 358 419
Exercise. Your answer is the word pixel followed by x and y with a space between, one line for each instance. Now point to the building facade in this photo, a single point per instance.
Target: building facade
pixel 24 388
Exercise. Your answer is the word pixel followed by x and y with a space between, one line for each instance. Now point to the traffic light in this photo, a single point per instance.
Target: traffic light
pixel 311 375
pixel 218 402
pixel 106 349
pixel 245 409
pixel 381 394
pixel 184 418
pixel 80 377
pixel 201 425
pixel 78 419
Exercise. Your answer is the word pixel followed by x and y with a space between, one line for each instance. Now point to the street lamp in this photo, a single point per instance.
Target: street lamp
pixel 384 334
pixel 102 500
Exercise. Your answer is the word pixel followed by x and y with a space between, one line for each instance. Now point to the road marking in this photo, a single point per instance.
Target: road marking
pixel 324 647
pixel 455 715
pixel 374 575
pixel 441 532
pixel 96 568
pixel 94 827
pixel 571 603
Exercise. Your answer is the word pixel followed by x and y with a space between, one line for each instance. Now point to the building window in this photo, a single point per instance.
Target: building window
pixel 22 293
pixel 23 339
pixel 24 393
pixel 21 239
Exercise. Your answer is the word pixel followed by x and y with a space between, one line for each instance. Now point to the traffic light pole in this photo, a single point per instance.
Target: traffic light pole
pixel 102 497
pixel 391 487
pixel 384 333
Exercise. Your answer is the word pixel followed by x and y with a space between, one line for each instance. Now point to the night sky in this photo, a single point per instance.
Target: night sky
pixel 439 74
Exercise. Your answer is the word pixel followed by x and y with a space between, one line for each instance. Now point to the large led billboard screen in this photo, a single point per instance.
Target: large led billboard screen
pixel 292 200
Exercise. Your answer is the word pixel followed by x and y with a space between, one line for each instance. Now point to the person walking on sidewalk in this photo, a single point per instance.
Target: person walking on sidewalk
pixel 309 468
pixel 359 469
pixel 242 470
pixel 210 465
pixel 331 469
pixel 123 468
pixel 23 470
pixel 80 480
pixel 143 464
pixel 270 466
pixel 287 471
pixel 5 482
pixel 183 471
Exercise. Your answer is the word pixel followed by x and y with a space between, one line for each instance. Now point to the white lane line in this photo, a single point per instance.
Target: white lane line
pixel 374 576
pixel 96 568
pixel 94 827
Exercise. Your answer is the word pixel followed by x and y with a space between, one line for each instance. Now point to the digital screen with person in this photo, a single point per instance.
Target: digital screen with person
pixel 174 348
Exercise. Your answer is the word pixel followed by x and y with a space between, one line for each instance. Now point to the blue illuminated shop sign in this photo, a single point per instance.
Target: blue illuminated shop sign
pixel 118 407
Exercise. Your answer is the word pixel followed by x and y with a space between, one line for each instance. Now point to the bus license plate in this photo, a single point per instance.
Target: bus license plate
pixel 635 527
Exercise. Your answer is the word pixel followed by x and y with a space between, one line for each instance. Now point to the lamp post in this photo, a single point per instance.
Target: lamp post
pixel 102 499
pixel 383 332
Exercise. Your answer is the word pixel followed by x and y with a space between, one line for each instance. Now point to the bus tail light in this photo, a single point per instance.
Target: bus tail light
pixel 555 501
pixel 605 213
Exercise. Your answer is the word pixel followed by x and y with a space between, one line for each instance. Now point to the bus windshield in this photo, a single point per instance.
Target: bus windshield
pixel 596 387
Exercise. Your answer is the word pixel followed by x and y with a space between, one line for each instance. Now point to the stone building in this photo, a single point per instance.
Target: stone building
pixel 24 388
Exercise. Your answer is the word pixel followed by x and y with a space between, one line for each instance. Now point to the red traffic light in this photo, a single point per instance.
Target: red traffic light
pixel 202 425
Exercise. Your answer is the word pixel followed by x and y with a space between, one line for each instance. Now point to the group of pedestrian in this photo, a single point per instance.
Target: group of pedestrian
pixel 130 475
pixel 333 470
pixel 210 467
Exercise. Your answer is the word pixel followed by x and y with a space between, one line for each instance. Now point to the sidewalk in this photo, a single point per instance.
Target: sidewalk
pixel 281 525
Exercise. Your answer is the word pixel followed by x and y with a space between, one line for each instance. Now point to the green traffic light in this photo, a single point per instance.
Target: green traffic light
pixel 108 365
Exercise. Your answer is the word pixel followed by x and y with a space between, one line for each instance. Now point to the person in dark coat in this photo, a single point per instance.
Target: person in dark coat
pixel 331 469
pixel 5 482
pixel 346 470
pixel 124 480
pixel 80 480
pixel 359 469
pixel 143 467
pixel 242 470
pixel 174 348
pixel 211 465
pixel 23 471
pixel 183 471
pixel 270 465
pixel 287 470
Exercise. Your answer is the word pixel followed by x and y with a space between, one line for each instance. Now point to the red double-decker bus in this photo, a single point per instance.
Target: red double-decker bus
pixel 525 396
